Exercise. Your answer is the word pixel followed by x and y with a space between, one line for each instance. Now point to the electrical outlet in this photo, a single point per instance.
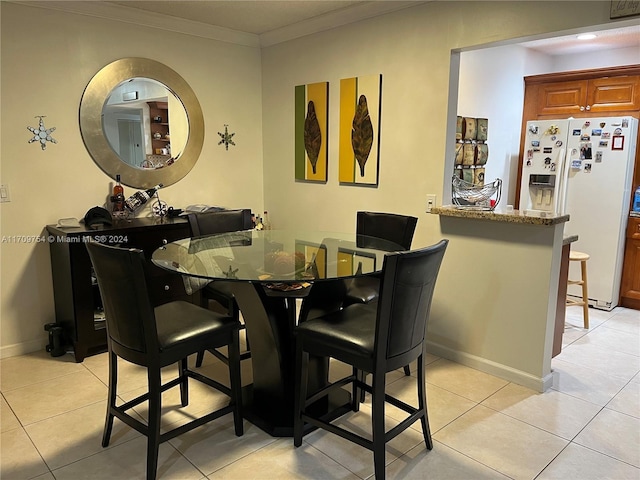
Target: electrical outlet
pixel 5 196
pixel 431 202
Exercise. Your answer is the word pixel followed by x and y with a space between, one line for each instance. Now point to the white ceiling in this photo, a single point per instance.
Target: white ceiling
pixel 267 22
pixel 255 17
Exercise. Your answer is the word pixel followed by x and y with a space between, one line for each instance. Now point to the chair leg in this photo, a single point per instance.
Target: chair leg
pixel 153 433
pixel 355 393
pixel 236 384
pixel 199 358
pixel 300 392
pixel 422 405
pixel 407 370
pixel 184 382
pixel 378 432
pixel 585 294
pixel 363 377
pixel 111 398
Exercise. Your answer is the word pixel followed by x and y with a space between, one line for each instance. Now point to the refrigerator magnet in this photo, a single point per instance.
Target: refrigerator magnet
pixel 599 156
pixel 617 142
pixel 596 132
pixel 604 143
pixel 576 132
pixel 617 131
pixel 576 164
pixel 535 143
pixel 587 168
pixel 559 143
pixel 606 135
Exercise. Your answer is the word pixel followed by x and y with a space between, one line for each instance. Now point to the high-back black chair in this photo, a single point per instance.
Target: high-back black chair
pixel 209 223
pixel 395 228
pixel 331 296
pixel 375 338
pixel 155 338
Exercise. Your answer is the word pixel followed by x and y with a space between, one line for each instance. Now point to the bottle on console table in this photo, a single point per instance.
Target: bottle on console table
pixel 138 199
pixel 265 221
pixel 117 198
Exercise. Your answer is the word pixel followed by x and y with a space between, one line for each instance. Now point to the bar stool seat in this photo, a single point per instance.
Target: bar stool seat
pixel 582 258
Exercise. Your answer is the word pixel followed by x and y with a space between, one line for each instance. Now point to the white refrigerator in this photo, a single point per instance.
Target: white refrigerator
pixel 583 167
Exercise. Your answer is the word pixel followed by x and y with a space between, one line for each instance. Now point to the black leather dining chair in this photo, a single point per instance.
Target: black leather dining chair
pixel 392 227
pixel 155 337
pixel 209 223
pixel 395 228
pixel 376 338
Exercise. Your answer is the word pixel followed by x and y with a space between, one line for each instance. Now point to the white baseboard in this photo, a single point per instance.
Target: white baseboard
pixel 23 348
pixel 539 384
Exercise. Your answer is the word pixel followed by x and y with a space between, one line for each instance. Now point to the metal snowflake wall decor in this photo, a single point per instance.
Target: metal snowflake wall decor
pixel 226 138
pixel 41 134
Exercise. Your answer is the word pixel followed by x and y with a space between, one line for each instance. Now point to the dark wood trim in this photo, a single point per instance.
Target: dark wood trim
pixel 582 74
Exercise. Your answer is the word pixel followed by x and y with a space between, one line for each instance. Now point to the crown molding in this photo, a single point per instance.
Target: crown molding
pixel 121 13
pixel 334 19
pixel 148 19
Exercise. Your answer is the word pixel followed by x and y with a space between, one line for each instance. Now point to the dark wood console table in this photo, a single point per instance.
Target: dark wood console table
pixel 77 298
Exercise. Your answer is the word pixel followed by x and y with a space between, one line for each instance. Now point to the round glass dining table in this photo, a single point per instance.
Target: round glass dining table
pixel 269 269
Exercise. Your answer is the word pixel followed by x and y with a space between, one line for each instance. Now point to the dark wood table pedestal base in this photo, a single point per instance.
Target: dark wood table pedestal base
pixel 268 402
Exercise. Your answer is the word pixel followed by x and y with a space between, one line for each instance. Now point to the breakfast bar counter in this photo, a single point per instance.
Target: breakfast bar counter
pixel 498 296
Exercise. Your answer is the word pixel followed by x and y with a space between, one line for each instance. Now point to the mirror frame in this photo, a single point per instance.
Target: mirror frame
pixel 93 99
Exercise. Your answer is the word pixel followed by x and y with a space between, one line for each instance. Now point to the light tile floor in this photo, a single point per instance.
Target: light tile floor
pixel 587 426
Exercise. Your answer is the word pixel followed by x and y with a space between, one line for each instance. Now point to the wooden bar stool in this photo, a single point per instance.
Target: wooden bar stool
pixel 582 258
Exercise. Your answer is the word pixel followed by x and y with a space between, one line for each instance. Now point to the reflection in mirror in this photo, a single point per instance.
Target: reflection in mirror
pixel 144 123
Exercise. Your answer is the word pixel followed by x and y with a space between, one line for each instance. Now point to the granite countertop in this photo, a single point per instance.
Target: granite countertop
pixel 515 216
pixel 569 239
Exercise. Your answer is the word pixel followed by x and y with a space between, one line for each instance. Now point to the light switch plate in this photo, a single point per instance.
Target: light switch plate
pixel 431 202
pixel 5 195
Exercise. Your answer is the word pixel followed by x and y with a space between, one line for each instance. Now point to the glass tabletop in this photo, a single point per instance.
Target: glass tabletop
pixel 286 256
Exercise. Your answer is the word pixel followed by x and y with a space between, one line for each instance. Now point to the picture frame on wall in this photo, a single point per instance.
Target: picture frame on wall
pixel 359 143
pixel 621 9
pixel 311 132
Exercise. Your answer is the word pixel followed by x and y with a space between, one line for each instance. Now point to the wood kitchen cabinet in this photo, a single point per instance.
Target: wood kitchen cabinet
pixel 630 287
pixel 597 96
pixel 77 298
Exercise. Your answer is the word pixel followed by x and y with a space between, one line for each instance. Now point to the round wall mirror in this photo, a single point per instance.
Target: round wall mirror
pixel 141 120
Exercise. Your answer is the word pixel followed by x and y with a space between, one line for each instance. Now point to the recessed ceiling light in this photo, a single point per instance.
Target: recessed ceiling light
pixel 586 36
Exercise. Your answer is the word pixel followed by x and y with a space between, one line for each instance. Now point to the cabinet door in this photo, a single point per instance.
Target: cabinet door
pixel 630 288
pixel 614 94
pixel 561 98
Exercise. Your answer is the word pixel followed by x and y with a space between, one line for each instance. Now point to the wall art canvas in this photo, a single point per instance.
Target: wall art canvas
pixel 360 111
pixel 311 131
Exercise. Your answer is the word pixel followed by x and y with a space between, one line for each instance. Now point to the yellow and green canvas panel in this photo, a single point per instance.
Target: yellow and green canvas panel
pixel 311 114
pixel 350 170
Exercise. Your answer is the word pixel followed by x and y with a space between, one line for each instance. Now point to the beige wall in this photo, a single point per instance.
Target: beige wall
pixel 48 57
pixel 489 282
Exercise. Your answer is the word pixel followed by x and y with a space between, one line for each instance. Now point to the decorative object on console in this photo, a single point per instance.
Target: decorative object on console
pixel 226 138
pixel 42 135
pixel 311 132
pixel 360 112
pixel 160 208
